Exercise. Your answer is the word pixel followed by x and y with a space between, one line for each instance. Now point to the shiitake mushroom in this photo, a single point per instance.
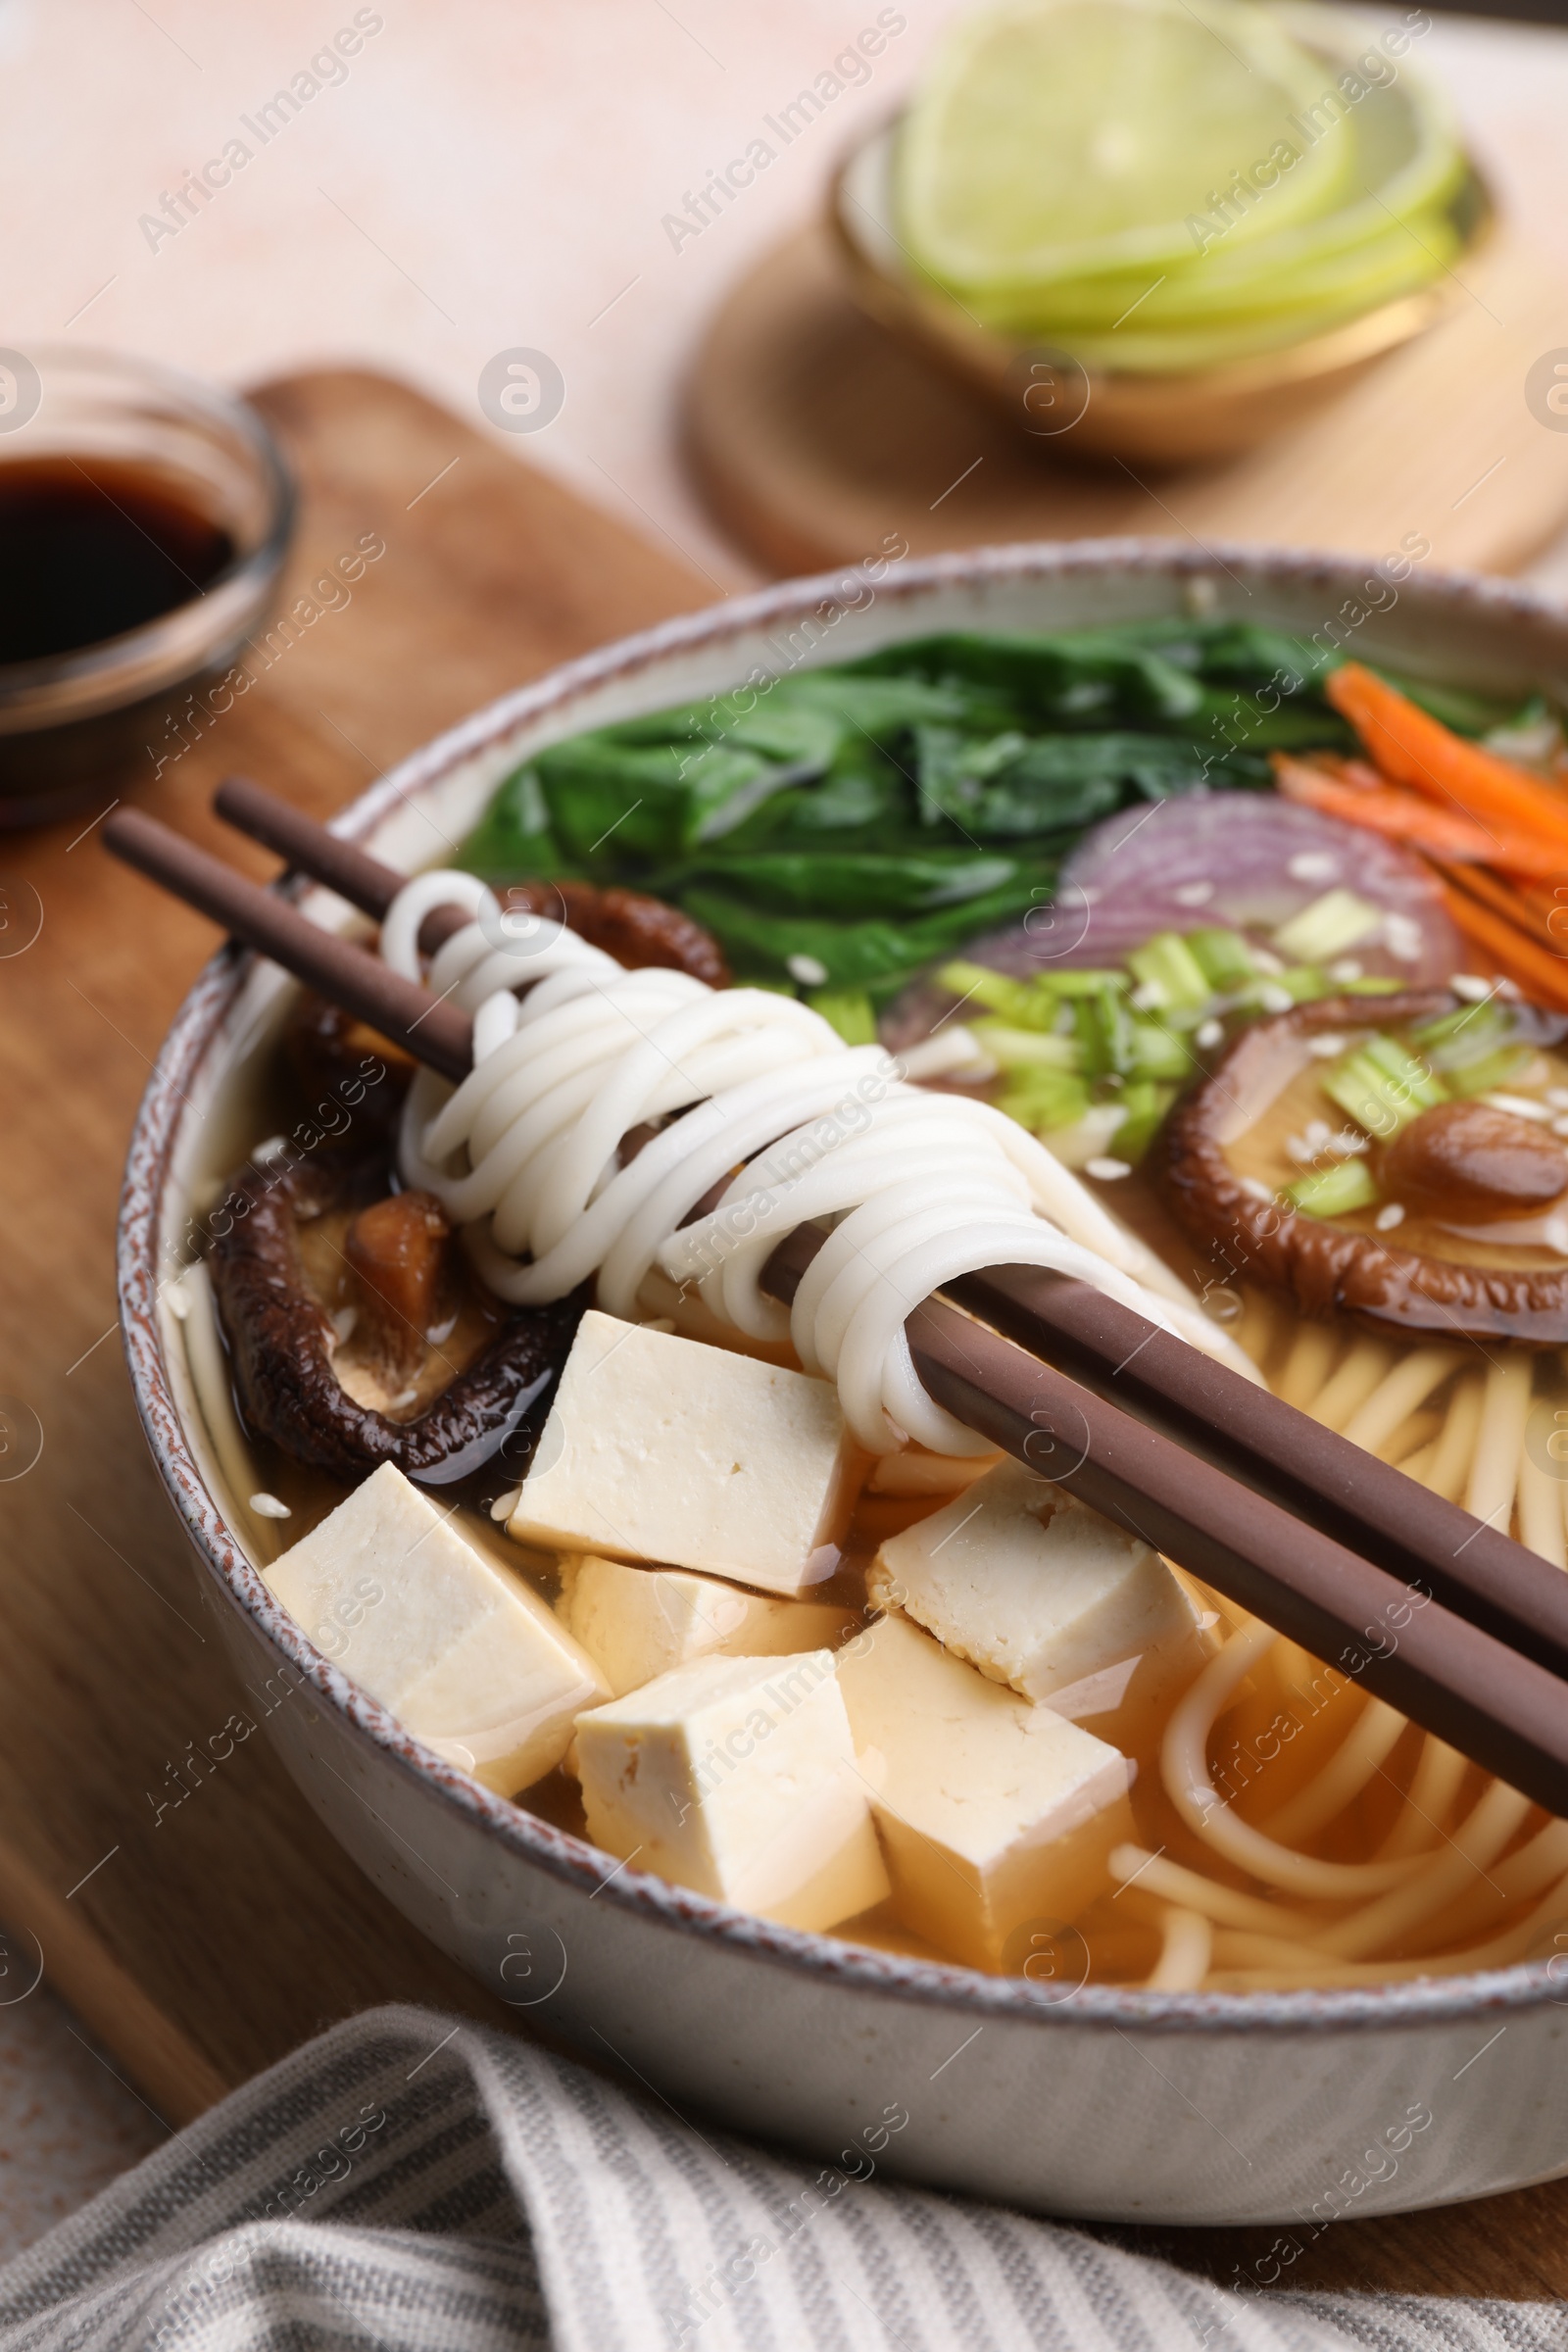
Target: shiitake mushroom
pixel 1472 1163
pixel 1464 1162
pixel 438 1415
pixel 358 1332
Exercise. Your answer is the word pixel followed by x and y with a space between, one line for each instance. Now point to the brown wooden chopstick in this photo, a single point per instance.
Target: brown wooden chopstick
pixel 1505 1711
pixel 1502 1708
pixel 324 856
pixel 433 1032
pixel 1338 1488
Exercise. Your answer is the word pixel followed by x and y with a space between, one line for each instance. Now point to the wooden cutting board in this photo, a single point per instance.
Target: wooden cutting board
pixel 201 1942
pixel 819 439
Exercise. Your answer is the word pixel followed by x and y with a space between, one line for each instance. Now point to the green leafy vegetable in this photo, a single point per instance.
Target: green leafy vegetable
pixel 862 819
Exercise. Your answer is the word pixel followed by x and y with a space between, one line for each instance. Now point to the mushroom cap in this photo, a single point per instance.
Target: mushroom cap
pixel 1472 1162
pixel 1327 1269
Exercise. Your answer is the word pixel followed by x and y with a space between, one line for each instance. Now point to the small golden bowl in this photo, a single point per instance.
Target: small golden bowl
pixel 1165 418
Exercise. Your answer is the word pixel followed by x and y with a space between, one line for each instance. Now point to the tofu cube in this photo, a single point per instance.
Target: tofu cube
pixel 737 1775
pixel 663 1450
pixel 636 1623
pixel 1034 1588
pixel 465 1655
pixel 995 1813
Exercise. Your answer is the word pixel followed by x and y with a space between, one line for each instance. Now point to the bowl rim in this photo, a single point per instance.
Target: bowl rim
pixel 195 1031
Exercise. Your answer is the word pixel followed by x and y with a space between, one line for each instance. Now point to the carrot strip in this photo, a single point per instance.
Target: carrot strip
pixel 1405 816
pixel 1543 976
pixel 1511 905
pixel 1412 748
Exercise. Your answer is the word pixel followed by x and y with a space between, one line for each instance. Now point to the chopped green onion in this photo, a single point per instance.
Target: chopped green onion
pixel 1336 922
pixel 1145 1103
pixel 1169 974
pixel 1156 1052
pixel 1501 1068
pixel 1304 983
pixel 1335 1192
pixel 850 1011
pixel 1025 1049
pixel 1382 1087
pixel 1082 982
pixel 1224 959
pixel 1015 1000
pixel 1046 1099
pixel 1456 1040
pixel 1104 1034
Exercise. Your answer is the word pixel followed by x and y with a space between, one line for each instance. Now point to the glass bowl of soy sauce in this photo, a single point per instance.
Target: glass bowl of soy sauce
pixel 144 520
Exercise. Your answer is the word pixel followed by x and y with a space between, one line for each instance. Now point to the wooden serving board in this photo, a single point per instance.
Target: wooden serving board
pixel 819 440
pixel 201 1942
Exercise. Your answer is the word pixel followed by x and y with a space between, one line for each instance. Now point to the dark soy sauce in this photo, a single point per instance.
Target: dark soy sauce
pixel 90 548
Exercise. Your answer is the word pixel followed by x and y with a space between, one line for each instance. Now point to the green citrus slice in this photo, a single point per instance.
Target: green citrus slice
pixel 1061 138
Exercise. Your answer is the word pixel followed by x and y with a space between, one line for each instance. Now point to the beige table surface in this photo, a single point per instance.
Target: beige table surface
pixel 488 176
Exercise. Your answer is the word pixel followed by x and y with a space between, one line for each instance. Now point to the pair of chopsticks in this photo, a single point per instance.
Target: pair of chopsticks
pixel 1460 1628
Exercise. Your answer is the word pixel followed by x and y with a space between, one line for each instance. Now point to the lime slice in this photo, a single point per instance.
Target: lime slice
pixel 1179 347
pixel 1062 138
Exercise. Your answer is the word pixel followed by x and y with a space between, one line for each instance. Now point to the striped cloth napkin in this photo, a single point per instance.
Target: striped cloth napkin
pixel 412 2181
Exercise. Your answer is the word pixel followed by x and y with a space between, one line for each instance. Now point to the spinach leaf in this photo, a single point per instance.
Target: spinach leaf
pixel 1008 787
pixel 1088 676
pixel 855 882
pixel 514 840
pixel 864 817
pixel 876 953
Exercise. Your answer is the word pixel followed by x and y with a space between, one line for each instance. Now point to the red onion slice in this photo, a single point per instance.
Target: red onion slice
pixel 1243 860
pixel 1239 861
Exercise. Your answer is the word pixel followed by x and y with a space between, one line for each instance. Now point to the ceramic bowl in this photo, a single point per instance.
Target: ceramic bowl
pixel 1159 419
pixel 1078 2100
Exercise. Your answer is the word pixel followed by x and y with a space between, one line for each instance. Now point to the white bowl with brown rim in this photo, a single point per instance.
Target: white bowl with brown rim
pixel 1087 2100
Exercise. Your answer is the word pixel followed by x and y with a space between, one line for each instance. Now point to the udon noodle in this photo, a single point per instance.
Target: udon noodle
pixel 593 1053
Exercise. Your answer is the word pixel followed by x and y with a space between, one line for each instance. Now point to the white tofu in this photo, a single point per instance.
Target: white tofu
pixel 737 1775
pixel 658 1448
pixel 636 1623
pixel 995 1813
pixel 1033 1588
pixel 461 1651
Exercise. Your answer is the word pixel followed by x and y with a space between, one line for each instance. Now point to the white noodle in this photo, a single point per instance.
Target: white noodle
pixel 1541 1517
pixel 1347 1391
pixel 1306 1367
pixel 1184 1767
pixel 1450 1466
pixel 1185 1952
pixel 1337 1783
pixel 1407 1387
pixel 192 1300
pixel 1434 1789
pixel 1466 1851
pixel 1500 1439
pixel 1188 1890
pixel 526 1155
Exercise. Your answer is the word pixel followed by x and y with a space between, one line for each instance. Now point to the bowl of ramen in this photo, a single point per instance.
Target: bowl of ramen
pixel 670 1657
